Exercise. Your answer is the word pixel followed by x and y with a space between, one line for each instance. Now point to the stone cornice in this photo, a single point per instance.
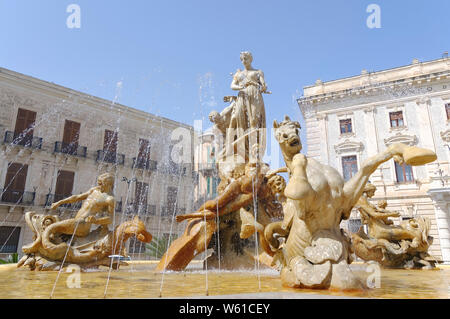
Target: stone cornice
pixel 414 70
pixel 310 108
pixel 372 88
pixel 15 80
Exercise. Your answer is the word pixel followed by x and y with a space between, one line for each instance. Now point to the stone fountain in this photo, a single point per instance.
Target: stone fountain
pixel 394 246
pixel 58 243
pixel 296 222
pixel 307 245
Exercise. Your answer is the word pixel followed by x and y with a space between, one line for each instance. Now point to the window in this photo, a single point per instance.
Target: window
pixel 172 194
pixel 349 166
pixel 110 146
pixel 9 239
pixel 214 186
pixel 141 194
pixel 447 110
pixel 64 185
pixel 70 137
pixel 110 141
pixel 404 173
pixel 15 180
pixel 396 119
pixel 23 132
pixel 346 126
pixel 144 150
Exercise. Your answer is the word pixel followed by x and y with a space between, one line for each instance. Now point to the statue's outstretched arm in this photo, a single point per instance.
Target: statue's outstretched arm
pixel 72 199
pixel 226 111
pixel 387 213
pixel 354 187
pixel 276 171
pixel 206 214
pixel 374 212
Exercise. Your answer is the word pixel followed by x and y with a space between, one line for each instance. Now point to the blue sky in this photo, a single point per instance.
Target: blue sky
pixel 174 58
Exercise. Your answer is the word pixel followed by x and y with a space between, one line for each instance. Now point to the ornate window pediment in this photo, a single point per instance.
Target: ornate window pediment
pixel 348 146
pixel 409 139
pixel 445 135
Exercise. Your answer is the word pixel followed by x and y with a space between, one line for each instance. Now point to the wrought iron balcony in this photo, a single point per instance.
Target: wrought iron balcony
pixel 110 157
pixel 167 211
pixel 53 198
pixel 206 166
pixel 70 149
pixel 21 139
pixel 17 197
pixel 174 169
pixel 144 163
pixel 134 208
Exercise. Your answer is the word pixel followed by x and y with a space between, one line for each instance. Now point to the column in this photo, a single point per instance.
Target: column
pixel 442 221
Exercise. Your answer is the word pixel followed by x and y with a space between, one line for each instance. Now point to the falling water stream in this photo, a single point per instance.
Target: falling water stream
pixel 46 118
pixel 197 280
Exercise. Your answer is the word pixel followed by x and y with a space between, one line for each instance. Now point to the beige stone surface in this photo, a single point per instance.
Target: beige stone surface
pixel 421 91
pixel 53 105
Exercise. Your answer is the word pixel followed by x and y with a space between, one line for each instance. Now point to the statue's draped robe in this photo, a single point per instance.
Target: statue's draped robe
pixel 248 114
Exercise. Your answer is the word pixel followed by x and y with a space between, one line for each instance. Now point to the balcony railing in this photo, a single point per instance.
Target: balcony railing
pixel 110 157
pixel 174 169
pixel 167 211
pixel 144 163
pixel 70 149
pixel 53 198
pixel 18 197
pixel 207 166
pixel 134 208
pixel 25 140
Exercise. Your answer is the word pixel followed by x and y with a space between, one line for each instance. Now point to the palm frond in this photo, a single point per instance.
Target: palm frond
pixel 158 246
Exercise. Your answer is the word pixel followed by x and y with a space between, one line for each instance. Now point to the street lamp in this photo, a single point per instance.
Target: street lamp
pixel 125 179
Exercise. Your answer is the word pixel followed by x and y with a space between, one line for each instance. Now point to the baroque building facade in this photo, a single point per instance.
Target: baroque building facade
pixel 350 119
pixel 205 167
pixel 56 141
